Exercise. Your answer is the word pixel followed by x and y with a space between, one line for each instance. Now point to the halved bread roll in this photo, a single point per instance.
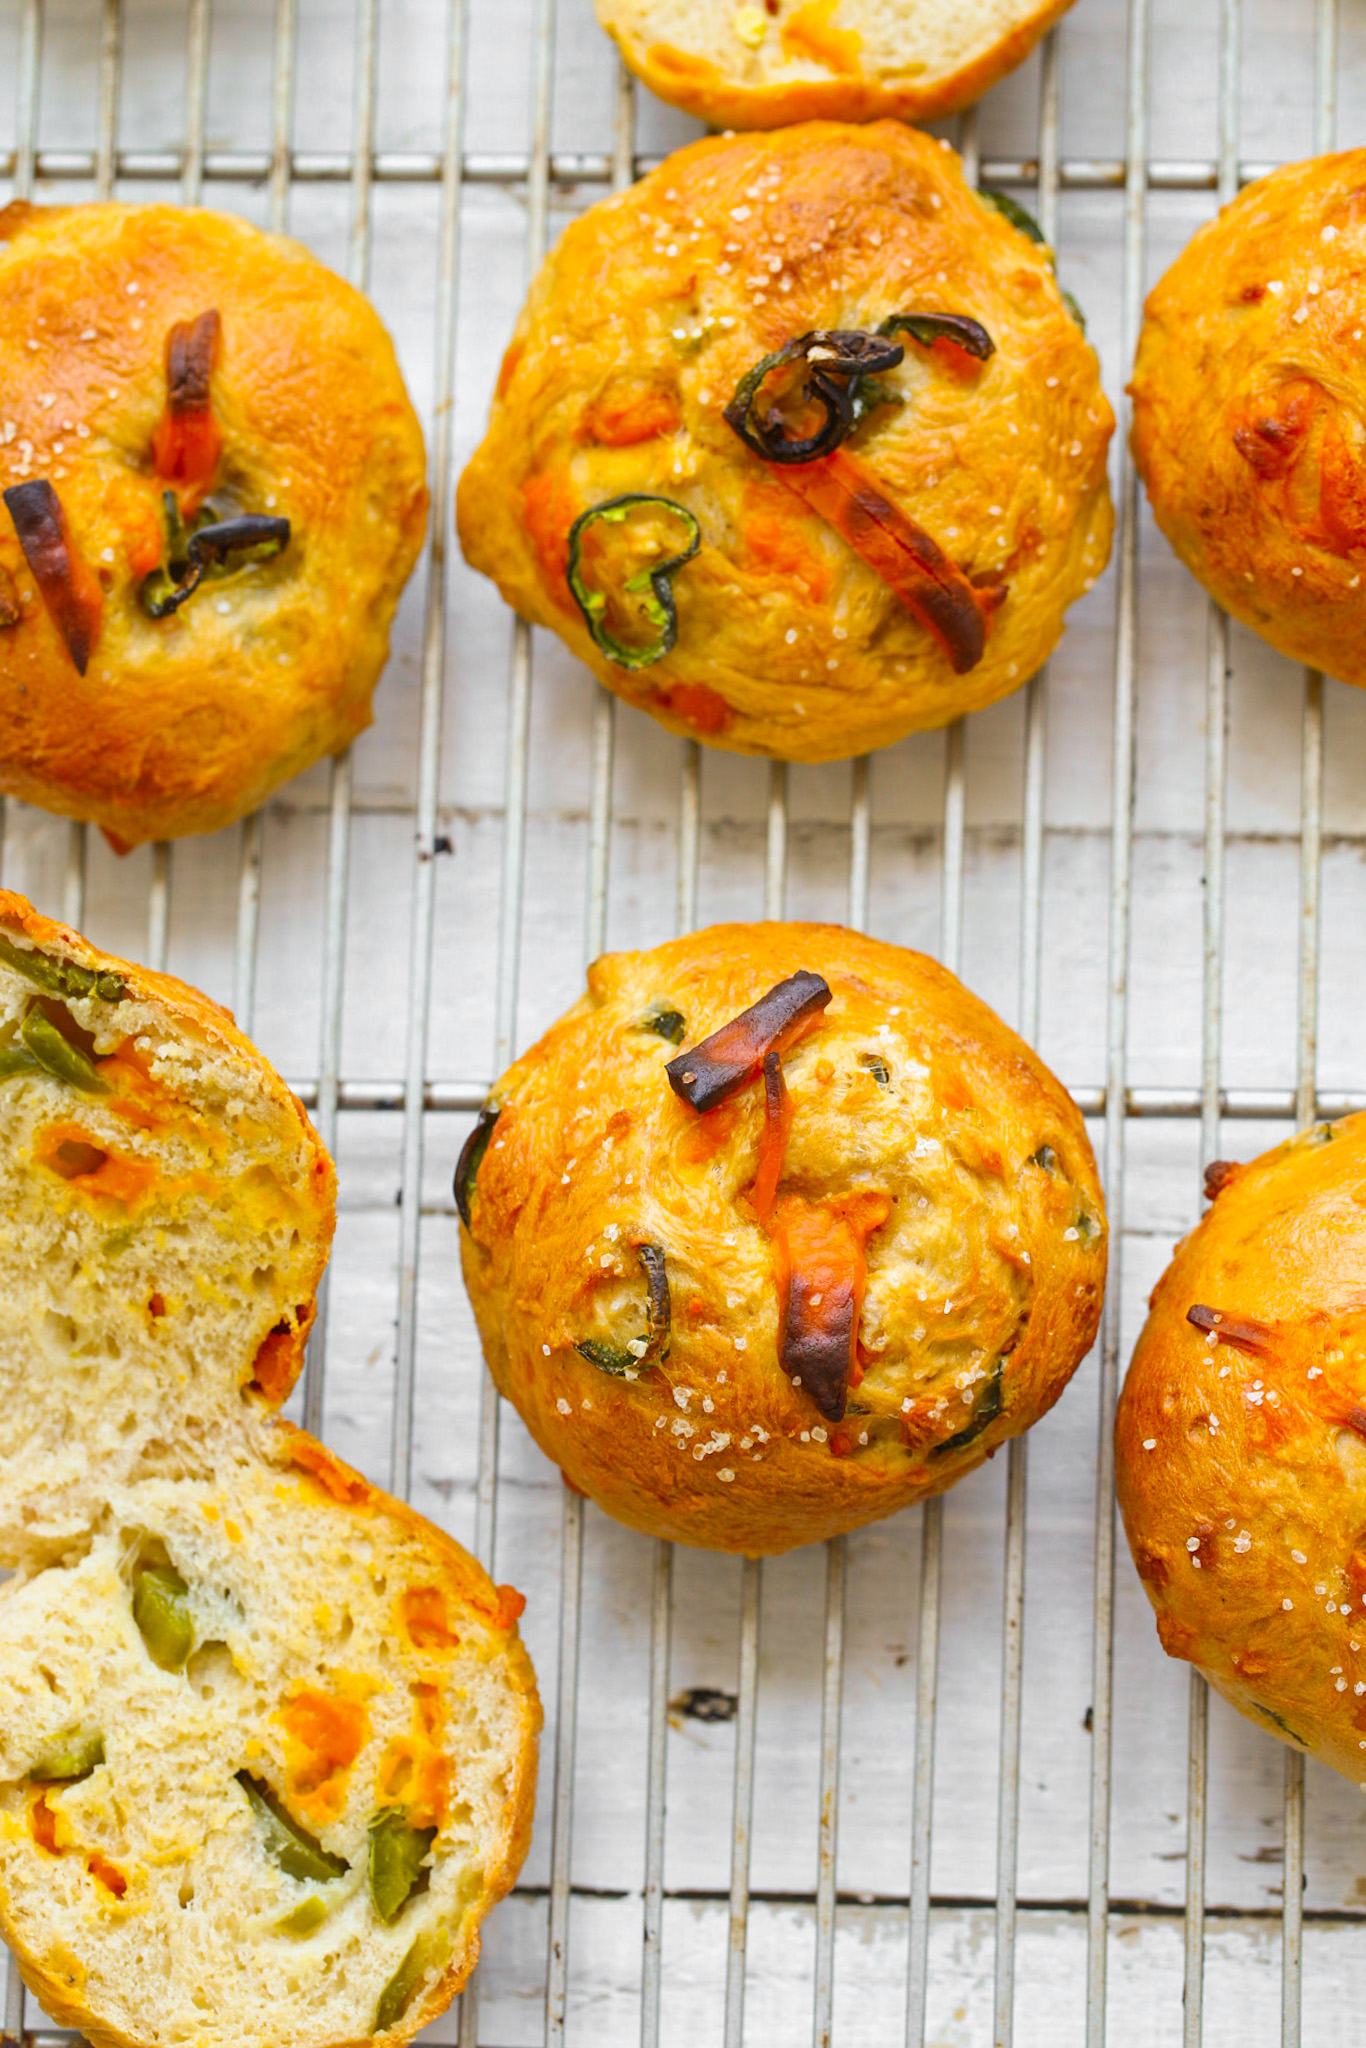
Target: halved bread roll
pixel 762 66
pixel 267 1738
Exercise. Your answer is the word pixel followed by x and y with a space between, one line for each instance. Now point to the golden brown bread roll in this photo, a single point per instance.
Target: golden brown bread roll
pixel 1240 1444
pixel 762 65
pixel 213 495
pixel 1248 397
pixel 810 575
pixel 873 1251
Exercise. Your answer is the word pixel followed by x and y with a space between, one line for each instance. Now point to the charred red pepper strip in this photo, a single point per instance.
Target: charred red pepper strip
pixel 187 440
pixel 910 562
pixel 821 1271
pixel 69 588
pixel 772 1145
pixel 1253 1337
pixel 721 1065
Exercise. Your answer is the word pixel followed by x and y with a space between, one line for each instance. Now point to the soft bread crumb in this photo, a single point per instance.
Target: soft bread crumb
pixel 200 1592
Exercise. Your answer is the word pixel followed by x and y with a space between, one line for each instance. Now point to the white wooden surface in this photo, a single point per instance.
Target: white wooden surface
pixel 1148 1845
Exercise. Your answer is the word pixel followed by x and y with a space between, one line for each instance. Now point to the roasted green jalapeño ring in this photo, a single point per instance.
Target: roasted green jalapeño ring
pixel 652 583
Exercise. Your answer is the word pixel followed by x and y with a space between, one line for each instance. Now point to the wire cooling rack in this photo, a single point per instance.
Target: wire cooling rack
pixel 934 1783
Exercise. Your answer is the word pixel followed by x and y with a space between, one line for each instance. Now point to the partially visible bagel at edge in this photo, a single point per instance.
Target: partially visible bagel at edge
pixel 267 1738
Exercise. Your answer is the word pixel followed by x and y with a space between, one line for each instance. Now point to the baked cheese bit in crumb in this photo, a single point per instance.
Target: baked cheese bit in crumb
pixel 1240 1444
pixel 778 1230
pixel 764 63
pixel 797 444
pixel 212 491
pixel 267 1738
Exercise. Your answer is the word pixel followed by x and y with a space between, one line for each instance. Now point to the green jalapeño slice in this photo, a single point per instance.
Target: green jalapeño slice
pixel 623 557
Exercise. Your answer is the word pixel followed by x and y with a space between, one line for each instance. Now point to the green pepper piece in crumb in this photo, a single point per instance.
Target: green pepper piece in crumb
pixel 72 1756
pixel 397 1852
pixel 15 1060
pixel 431 1951
pixel 61 977
pixel 306 1919
pixel 296 1852
pixel 652 584
pixel 161 1609
pixel 56 1056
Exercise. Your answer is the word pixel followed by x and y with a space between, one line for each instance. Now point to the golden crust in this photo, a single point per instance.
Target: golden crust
pixel 1248 392
pixel 183 724
pixel 899 67
pixel 642 322
pixel 984 1286
pixel 1241 1449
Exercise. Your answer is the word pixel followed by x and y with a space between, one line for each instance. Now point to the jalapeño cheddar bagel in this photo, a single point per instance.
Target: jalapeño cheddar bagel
pixel 777 1230
pixel 267 1738
pixel 1249 401
pixel 1240 1444
pixel 766 62
pixel 211 495
pixel 796 445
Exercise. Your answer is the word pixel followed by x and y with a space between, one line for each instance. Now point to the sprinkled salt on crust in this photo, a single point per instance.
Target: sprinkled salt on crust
pixel 913 1110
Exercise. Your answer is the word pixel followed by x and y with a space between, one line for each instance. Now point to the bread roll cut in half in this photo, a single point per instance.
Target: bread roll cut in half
pixel 1240 1444
pixel 776 1231
pixel 267 1738
pixel 212 491
pixel 1249 397
pixel 762 63
pixel 797 444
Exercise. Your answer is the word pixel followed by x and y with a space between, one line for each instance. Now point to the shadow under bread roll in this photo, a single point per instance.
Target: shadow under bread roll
pixel 776 1231
pixel 1240 1444
pixel 213 489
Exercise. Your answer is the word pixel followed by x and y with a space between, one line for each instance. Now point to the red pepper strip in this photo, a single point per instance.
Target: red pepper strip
pixel 721 1065
pixel 68 587
pixel 777 1124
pixel 1253 1337
pixel 821 1271
pixel 187 440
pixel 912 564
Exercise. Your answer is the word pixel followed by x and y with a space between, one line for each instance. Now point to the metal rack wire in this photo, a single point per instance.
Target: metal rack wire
pixel 417 1092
